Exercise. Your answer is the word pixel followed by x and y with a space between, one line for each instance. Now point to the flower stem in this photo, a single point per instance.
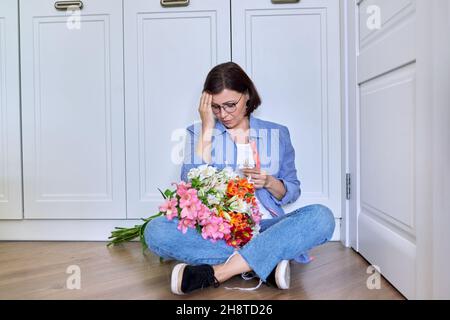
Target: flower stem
pixel 121 235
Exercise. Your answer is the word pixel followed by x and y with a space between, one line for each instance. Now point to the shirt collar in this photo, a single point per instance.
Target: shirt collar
pixel 220 128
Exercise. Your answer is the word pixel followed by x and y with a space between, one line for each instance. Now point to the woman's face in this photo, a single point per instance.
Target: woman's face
pixel 233 107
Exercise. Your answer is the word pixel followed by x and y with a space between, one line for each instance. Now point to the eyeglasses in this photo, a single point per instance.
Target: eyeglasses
pixel 228 107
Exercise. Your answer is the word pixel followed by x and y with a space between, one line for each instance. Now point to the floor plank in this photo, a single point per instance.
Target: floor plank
pixel 37 270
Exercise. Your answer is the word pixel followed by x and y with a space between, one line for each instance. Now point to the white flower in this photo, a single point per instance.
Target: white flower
pixel 239 205
pixel 246 207
pixel 206 171
pixel 201 192
pixel 212 199
pixel 211 182
pixel 193 173
pixel 221 188
pixel 229 173
pixel 256 228
pixel 226 215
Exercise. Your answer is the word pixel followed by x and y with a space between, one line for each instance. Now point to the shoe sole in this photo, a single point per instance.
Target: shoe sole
pixel 177 278
pixel 283 275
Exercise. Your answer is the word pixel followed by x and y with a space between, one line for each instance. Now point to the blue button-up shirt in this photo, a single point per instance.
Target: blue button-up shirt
pixel 275 150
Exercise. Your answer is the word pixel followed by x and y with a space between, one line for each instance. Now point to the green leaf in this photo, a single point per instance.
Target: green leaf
pixel 195 183
pixel 162 193
pixel 169 193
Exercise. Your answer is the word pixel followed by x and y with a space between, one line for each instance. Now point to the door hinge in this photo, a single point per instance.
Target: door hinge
pixel 348 182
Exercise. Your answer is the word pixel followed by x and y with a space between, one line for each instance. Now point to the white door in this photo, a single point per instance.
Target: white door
pixel 292 52
pixel 387 142
pixel 72 110
pixel 10 153
pixel 168 53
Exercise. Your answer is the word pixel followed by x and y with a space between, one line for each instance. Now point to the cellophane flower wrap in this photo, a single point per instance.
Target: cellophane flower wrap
pixel 220 205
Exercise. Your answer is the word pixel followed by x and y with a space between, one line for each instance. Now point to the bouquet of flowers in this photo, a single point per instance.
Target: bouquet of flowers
pixel 220 205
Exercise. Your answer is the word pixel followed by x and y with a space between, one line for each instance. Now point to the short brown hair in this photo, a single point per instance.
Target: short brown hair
pixel 231 76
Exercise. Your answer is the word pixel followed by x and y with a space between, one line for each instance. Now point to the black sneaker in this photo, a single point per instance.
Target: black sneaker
pixel 186 278
pixel 280 277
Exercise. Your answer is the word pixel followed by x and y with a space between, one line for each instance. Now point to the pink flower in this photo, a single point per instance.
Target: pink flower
pixel 182 187
pixel 190 204
pixel 184 224
pixel 170 208
pixel 256 218
pixel 203 216
pixel 216 229
pixel 256 215
pixel 188 197
pixel 189 212
pixel 224 227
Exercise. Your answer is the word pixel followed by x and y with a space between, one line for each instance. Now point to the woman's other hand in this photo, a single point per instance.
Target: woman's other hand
pixel 259 177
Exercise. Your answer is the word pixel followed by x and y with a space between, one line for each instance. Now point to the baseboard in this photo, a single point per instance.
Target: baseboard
pixel 389 250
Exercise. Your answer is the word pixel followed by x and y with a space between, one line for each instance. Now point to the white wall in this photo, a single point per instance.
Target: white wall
pixel 441 148
pixel 433 83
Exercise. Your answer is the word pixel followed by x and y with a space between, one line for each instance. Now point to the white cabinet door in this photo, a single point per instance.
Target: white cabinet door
pixel 292 52
pixel 388 145
pixel 73 110
pixel 168 53
pixel 10 153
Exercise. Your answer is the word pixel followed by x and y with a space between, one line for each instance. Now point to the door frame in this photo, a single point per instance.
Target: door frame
pixel 350 106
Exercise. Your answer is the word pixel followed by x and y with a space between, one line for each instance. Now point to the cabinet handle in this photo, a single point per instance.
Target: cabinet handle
pixel 174 3
pixel 284 1
pixel 64 5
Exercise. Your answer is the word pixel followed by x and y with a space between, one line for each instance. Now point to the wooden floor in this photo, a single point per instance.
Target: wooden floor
pixel 37 270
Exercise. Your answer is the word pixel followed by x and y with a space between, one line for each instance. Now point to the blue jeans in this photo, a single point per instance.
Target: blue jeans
pixel 281 238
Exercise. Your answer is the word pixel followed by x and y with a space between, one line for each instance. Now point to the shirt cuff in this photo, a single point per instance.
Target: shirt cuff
pixel 292 193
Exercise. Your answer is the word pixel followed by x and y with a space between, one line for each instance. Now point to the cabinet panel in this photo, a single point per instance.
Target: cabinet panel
pixel 73 110
pixel 292 51
pixel 168 52
pixel 10 144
